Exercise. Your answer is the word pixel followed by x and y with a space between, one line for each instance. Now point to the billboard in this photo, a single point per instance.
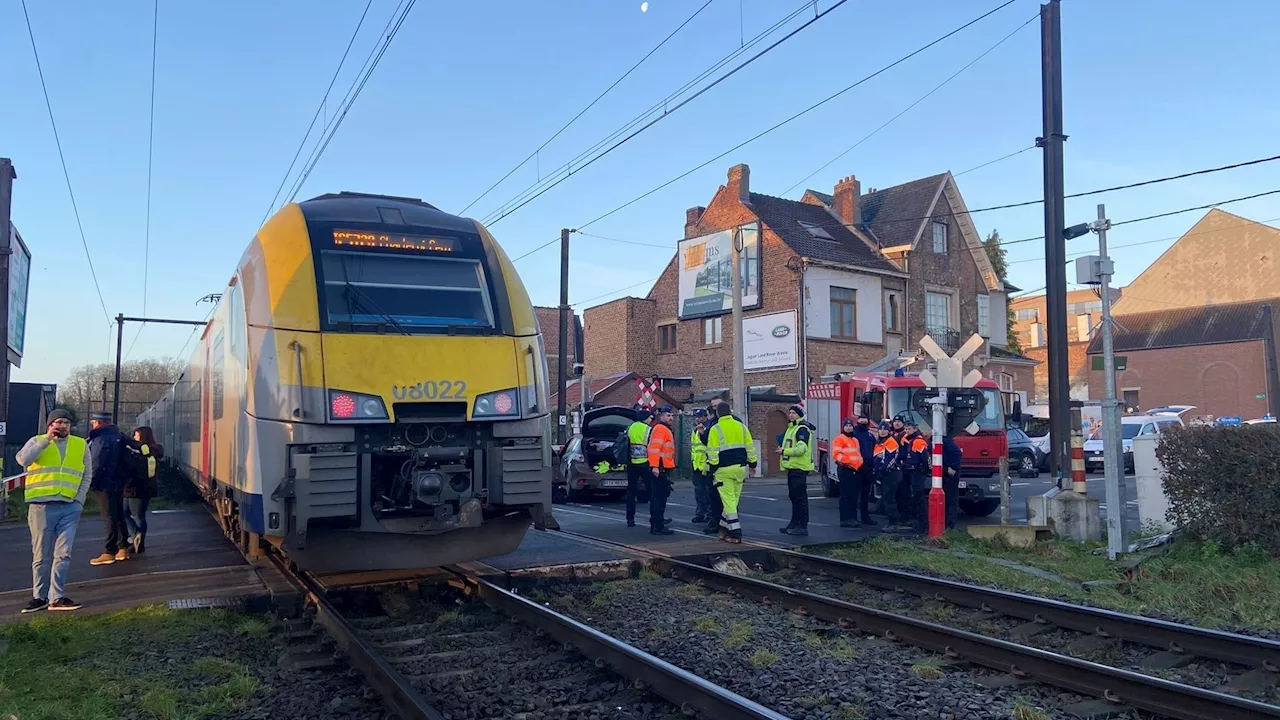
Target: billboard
pixel 769 342
pixel 19 277
pixel 704 275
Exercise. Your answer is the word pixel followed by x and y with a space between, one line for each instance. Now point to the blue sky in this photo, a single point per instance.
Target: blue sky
pixel 466 90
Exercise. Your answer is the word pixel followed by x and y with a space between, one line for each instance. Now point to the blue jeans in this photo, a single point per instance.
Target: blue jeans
pixel 135 515
pixel 53 531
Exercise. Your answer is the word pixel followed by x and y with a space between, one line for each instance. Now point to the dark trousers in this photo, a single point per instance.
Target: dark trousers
pixel 850 491
pixel 890 480
pixel 638 477
pixel 111 505
pixel 659 491
pixel 921 482
pixel 701 495
pixel 798 492
pixel 865 478
pixel 906 498
pixel 951 487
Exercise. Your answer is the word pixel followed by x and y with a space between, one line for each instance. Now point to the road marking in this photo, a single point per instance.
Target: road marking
pixel 761 497
pixel 1019 484
pixel 613 515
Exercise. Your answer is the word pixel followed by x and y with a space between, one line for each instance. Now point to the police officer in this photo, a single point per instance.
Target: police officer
pixel 715 507
pixel 638 469
pixel 662 460
pixel 729 452
pixel 701 477
pixel 796 452
pixel 951 459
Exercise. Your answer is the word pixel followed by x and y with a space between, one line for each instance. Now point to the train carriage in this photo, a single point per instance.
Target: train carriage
pixel 370 392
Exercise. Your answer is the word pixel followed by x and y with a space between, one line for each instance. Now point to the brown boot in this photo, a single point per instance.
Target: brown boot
pixel 103 559
pixel 122 554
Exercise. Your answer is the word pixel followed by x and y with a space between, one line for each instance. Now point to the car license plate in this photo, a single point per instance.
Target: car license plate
pixel 613 483
pixel 962 485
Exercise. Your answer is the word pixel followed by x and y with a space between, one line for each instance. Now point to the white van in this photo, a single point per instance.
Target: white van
pixel 1131 426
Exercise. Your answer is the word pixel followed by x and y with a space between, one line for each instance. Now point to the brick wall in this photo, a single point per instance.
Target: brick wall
pixel 1024 378
pixel 619 337
pixel 955 270
pixel 1216 379
pixel 1077 362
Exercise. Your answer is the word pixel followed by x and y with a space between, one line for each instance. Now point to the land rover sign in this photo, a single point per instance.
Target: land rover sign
pixel 769 341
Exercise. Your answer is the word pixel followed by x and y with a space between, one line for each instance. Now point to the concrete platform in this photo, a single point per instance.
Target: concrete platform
pixel 188 560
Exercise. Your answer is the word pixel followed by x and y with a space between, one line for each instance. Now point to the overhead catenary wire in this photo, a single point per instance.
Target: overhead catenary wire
pixel 660 106
pixel 590 105
pixel 993 162
pixel 151 142
pixel 63 159
pixel 319 109
pixel 1156 240
pixel 918 100
pixel 669 113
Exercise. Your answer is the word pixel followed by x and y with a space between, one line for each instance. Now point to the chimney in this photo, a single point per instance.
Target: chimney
pixel 691 218
pixel 740 183
pixel 848 201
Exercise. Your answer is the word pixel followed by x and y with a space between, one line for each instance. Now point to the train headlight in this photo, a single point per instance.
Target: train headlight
pixel 353 407
pixel 503 403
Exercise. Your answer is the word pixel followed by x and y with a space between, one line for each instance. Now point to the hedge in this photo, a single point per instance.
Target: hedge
pixel 1223 483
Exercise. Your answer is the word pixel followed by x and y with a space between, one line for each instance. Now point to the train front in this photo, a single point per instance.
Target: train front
pixel 435 388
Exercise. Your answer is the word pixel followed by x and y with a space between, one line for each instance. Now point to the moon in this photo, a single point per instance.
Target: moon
pixel 644 7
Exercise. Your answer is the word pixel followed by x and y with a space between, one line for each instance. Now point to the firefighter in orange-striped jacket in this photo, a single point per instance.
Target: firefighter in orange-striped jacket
pixel 662 460
pixel 846 451
pixel 889 473
pixel 916 475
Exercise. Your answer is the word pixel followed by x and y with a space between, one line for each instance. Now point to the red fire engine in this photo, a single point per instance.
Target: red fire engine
pixel 881 395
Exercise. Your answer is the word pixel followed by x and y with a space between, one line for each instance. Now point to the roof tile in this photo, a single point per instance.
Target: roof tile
pixel 1182 327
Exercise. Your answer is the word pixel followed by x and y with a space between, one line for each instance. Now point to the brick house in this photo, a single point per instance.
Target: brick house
pixel 1084 312
pixel 842 282
pixel 619 388
pixel 549 323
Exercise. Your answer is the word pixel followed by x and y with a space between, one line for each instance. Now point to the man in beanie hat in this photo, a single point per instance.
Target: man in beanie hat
pixel 59 468
pixel 796 452
pixel 701 468
pixel 107 444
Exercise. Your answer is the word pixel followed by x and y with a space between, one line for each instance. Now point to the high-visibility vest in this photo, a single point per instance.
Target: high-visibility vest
pixel 151 461
pixel 886 452
pixel 796 454
pixel 638 438
pixel 662 447
pixel 52 475
pixel 729 444
pixel 698 451
pixel 846 451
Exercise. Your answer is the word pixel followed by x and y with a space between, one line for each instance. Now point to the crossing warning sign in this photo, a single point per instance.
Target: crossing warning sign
pixel 647 392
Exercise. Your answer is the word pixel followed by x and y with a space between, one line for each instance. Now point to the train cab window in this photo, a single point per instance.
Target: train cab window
pixel 409 291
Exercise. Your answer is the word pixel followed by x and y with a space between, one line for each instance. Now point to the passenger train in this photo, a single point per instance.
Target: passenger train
pixel 369 393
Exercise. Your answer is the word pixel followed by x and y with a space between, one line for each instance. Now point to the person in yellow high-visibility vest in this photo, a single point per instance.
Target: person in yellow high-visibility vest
pixel 701 472
pixel 638 467
pixel 59 469
pixel 730 451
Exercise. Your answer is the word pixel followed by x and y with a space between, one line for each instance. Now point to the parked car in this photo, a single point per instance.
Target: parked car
pixel 577 476
pixel 1025 455
pixel 1131 426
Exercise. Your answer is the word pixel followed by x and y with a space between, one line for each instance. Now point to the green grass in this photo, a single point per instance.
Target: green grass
pixel 1023 710
pixel 927 669
pixel 739 634
pixel 92 666
pixel 1199 583
pixel 763 659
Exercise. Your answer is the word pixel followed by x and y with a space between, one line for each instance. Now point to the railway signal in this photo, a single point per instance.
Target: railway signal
pixel 948 376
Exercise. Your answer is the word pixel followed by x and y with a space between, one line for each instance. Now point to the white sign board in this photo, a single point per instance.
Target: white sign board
pixel 19 275
pixel 769 342
pixel 706 269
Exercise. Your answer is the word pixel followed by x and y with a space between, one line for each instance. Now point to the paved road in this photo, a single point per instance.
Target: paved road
pixel 764 503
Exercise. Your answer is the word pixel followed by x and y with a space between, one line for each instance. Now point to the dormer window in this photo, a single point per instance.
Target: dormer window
pixel 816 230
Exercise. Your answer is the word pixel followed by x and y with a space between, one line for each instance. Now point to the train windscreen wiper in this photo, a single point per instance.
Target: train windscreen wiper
pixel 360 301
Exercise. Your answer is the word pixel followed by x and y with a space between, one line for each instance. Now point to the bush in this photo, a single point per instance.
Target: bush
pixel 1223 483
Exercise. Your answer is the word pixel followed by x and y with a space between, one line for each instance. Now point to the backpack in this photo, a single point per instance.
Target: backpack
pixel 622 449
pixel 131 464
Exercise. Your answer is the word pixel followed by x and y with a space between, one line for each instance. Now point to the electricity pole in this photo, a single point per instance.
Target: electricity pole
pixel 562 360
pixel 739 373
pixel 7 176
pixel 1113 457
pixel 1055 255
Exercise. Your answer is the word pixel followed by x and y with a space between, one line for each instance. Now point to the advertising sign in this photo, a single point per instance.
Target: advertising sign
pixel 769 342
pixel 19 275
pixel 705 272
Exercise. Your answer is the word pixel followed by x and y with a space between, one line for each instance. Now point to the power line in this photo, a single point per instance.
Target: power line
pixel 588 107
pixel 1156 240
pixel 151 141
pixel 353 93
pixel 621 289
pixel 908 108
pixel 624 242
pixel 662 105
pixel 49 106
pixel 319 108
pixel 673 110
pixel 993 162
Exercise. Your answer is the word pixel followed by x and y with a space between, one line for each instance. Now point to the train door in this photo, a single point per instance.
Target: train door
pixel 206 392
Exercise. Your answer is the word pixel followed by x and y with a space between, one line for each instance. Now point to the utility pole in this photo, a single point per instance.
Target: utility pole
pixel 1055 255
pixel 1112 456
pixel 7 176
pixel 562 360
pixel 115 400
pixel 739 373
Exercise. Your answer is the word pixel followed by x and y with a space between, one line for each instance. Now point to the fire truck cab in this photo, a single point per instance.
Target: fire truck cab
pixel 881 395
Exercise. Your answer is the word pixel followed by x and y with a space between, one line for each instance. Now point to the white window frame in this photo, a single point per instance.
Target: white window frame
pixel 850 305
pixel 928 317
pixel 892 313
pixel 984 315
pixel 940 237
pixel 713 327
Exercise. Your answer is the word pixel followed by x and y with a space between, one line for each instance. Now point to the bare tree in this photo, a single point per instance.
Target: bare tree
pixel 142 382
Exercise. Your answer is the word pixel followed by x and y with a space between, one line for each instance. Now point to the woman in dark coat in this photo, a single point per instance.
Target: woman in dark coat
pixel 142 486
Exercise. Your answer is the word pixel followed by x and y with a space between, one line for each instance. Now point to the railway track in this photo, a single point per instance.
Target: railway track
pixel 1115 686
pixel 507 657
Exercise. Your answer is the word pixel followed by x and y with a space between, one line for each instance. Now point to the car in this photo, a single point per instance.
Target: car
pixel 577 477
pixel 1025 455
pixel 1131 426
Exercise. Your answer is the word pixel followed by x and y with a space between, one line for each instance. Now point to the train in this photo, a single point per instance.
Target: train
pixel 369 393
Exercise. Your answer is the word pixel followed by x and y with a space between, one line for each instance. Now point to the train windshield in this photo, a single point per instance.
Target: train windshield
pixel 405 291
pixel 991 418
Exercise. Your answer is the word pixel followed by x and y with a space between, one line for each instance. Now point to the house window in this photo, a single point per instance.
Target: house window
pixel 984 315
pixel 816 230
pixel 1028 314
pixel 667 338
pixel 940 236
pixel 711 331
pixel 1005 381
pixel 891 316
pixel 937 311
pixel 1131 400
pixel 843 309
